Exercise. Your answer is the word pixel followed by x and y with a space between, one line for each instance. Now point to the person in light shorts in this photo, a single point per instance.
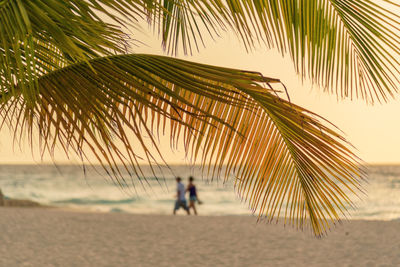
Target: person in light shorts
pixel 180 197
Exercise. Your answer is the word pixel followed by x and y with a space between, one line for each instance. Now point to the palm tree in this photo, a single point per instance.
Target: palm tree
pixel 68 79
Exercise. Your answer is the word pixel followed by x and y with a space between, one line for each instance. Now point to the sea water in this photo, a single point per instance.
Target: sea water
pixel 91 189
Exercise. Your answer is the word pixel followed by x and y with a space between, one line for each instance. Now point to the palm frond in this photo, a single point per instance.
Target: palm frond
pixel 289 163
pixel 182 22
pixel 39 36
pixel 349 47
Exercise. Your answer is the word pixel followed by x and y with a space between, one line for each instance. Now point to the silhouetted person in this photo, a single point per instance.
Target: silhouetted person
pixel 180 197
pixel 193 196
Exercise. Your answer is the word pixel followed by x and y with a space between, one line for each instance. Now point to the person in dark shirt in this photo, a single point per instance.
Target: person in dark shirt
pixel 193 196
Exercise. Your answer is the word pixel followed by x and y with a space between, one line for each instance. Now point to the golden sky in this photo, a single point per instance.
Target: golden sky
pixel 373 130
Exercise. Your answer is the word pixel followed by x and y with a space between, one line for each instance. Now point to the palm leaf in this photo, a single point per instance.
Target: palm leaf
pixel 40 36
pixel 349 47
pixel 287 161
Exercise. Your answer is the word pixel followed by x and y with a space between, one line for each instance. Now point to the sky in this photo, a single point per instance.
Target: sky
pixel 372 129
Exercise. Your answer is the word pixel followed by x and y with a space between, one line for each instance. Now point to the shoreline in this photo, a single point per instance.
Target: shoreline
pixel 32 205
pixel 29 204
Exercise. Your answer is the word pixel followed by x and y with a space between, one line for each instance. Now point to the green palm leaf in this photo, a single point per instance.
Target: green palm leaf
pixel 37 37
pixel 288 163
pixel 349 47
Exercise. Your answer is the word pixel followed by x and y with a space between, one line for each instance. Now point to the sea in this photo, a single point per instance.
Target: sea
pixel 92 189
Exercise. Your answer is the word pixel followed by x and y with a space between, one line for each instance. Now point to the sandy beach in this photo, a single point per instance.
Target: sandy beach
pixel 52 237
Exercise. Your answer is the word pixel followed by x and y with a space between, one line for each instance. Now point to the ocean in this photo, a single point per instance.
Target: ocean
pixel 69 186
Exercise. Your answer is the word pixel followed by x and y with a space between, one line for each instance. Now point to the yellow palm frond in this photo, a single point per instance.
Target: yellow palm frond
pixel 287 161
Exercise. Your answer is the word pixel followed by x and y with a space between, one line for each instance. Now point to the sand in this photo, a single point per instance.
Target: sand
pixel 52 237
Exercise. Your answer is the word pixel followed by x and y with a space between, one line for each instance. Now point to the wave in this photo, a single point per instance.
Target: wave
pixel 69 187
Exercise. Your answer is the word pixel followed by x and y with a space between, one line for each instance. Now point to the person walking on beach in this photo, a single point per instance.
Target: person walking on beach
pixel 180 196
pixel 193 197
